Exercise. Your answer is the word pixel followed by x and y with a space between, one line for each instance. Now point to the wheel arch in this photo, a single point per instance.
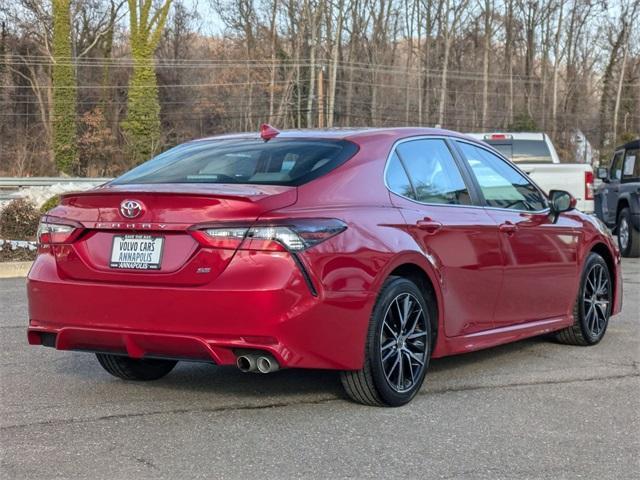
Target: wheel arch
pixel 604 251
pixel 622 204
pixel 418 274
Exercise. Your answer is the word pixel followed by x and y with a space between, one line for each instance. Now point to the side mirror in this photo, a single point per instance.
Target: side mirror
pixel 603 174
pixel 561 201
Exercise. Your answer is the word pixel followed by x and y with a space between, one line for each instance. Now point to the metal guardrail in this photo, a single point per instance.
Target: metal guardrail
pixel 10 185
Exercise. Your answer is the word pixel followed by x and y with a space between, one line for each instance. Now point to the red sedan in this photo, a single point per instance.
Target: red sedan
pixel 366 251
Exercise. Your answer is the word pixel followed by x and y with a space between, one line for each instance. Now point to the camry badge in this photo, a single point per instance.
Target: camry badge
pixel 131 208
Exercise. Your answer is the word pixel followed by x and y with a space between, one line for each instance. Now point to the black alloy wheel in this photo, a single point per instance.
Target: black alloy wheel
pixel 593 306
pixel 398 347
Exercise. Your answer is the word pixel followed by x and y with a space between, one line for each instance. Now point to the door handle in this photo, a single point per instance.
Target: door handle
pixel 508 228
pixel 429 226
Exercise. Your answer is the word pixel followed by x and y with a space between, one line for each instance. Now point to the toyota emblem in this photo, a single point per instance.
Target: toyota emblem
pixel 131 208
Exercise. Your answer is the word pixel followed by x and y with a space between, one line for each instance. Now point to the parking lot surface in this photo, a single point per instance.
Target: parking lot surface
pixel 534 409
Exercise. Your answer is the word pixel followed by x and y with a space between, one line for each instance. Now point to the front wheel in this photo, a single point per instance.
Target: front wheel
pixel 593 306
pixel 135 369
pixel 628 235
pixel 397 349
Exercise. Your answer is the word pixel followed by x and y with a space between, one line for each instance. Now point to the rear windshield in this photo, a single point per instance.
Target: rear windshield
pixel 248 161
pixel 523 151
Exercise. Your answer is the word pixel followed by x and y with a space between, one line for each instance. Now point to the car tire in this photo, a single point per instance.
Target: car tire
pixel 135 369
pixel 592 309
pixel 628 235
pixel 383 381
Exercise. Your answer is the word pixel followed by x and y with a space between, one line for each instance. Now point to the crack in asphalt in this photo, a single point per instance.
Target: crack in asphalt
pixel 320 401
pixel 143 461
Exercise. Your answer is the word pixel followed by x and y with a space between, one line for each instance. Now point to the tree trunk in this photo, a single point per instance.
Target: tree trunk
pixel 321 98
pixel 557 53
pixel 312 69
pixel 488 11
pixel 616 109
pixel 509 61
pixel 335 53
pixel 443 81
pixel 272 86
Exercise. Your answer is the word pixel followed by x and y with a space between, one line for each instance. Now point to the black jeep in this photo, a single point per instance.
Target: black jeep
pixel 617 200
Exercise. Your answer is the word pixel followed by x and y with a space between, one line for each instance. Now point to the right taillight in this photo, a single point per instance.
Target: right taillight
pixel 55 231
pixel 293 235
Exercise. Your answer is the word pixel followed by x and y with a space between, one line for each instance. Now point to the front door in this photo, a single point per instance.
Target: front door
pixel 612 189
pixel 539 253
pixel 459 239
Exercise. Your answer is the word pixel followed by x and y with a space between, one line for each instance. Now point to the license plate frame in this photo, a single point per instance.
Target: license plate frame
pixel 137 252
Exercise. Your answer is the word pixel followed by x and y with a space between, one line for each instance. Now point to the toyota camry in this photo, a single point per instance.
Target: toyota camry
pixel 367 251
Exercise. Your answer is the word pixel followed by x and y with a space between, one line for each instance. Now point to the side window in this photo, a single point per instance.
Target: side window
pixel 502 186
pixel 397 179
pixel 432 171
pixel 631 168
pixel 616 166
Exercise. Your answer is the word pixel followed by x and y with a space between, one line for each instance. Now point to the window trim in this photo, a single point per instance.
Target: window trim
pixel 628 178
pixel 622 153
pixel 471 187
pixel 509 163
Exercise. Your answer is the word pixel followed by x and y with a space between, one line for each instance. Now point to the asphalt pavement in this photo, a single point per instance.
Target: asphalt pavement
pixel 529 410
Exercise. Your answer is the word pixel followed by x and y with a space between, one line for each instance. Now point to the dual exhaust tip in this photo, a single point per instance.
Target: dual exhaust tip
pixel 262 363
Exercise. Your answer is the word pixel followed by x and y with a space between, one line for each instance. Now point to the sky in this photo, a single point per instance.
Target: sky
pixel 210 21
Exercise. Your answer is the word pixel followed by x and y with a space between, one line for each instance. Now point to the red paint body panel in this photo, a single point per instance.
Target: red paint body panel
pixel 205 303
pixel 540 262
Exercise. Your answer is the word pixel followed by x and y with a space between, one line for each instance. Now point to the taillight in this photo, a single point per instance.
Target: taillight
pixel 498 136
pixel 225 237
pixel 282 235
pixel 52 231
pixel 588 185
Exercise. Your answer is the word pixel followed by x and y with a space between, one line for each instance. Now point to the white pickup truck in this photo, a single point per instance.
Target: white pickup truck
pixel 535 154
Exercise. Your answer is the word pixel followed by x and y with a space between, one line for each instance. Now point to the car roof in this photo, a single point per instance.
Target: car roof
pixel 632 145
pixel 347 133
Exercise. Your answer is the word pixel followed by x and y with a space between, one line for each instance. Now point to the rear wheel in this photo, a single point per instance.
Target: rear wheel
pixel 628 235
pixel 593 306
pixel 135 369
pixel 397 349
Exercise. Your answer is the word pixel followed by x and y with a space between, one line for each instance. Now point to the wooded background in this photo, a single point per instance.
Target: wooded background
pixel 96 86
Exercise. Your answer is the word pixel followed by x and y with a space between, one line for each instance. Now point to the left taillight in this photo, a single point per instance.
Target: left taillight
pixel 588 185
pixel 55 231
pixel 282 235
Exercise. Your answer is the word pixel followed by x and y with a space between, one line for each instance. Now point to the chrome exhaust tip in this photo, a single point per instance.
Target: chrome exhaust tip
pixel 267 364
pixel 247 363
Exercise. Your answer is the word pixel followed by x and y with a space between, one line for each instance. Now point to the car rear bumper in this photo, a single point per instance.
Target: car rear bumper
pixel 271 310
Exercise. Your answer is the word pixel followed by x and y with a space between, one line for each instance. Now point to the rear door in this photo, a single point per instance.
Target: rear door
pixel 458 238
pixel 540 255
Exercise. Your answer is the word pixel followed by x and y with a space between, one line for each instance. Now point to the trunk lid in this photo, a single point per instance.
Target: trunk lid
pixel 167 212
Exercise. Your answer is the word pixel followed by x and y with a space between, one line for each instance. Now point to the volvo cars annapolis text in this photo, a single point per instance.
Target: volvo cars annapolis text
pixel 366 251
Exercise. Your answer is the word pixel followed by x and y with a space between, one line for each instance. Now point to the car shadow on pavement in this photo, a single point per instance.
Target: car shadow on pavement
pixel 204 377
pixel 286 386
pixel 492 355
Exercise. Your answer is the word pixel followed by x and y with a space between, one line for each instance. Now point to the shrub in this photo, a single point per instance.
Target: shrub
pixel 19 220
pixel 50 203
pixel 523 122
